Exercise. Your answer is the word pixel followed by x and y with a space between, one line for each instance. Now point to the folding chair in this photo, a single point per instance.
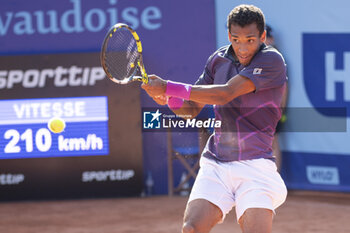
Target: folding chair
pixel 188 156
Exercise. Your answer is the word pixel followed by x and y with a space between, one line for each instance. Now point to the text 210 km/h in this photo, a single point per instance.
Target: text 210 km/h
pixel 42 141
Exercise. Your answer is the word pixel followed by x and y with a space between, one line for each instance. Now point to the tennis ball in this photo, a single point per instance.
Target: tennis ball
pixel 56 125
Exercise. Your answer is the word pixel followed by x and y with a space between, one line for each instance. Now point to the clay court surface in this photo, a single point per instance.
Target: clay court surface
pixel 303 212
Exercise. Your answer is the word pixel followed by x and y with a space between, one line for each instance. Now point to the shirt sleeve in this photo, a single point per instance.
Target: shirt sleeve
pixel 267 70
pixel 207 77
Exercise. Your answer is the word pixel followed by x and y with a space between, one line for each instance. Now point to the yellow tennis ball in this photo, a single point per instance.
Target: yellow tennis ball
pixel 56 125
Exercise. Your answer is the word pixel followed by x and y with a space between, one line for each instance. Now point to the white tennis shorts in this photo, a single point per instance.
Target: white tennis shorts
pixel 241 184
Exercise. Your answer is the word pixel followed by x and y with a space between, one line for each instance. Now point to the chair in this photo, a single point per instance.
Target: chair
pixel 188 156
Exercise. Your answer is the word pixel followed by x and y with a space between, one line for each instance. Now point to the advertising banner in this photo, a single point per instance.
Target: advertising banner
pixel 177 38
pixel 99 153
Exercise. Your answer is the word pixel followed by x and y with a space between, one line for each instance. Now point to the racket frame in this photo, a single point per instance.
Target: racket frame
pixel 144 77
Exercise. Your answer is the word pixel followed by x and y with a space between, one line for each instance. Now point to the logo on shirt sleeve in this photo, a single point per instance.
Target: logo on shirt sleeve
pixel 257 71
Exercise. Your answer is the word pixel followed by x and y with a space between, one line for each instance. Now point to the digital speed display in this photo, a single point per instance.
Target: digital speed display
pixel 24 132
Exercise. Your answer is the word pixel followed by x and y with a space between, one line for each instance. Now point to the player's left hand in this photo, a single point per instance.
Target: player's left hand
pixel 161 99
pixel 156 86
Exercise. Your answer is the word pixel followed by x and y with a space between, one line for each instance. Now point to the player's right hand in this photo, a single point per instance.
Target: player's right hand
pixel 155 86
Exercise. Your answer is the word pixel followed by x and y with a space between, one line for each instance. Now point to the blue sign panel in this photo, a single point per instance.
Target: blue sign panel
pixel 80 25
pixel 327 71
pixel 316 171
pixel 24 132
pixel 70 24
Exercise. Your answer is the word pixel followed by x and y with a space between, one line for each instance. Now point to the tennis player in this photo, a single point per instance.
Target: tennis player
pixel 245 82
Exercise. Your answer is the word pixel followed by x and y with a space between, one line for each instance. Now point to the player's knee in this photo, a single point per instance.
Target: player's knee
pixel 188 227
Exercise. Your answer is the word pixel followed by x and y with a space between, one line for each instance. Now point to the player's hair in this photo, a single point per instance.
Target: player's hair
pixel 244 15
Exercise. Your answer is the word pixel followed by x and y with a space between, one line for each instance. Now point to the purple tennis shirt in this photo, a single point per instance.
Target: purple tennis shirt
pixel 248 121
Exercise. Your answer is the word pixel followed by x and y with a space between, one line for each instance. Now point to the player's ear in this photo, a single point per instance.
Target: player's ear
pixel 263 37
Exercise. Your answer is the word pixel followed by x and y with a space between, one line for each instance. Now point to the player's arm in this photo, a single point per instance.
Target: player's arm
pixel 218 94
pixel 214 94
pixel 187 108
pixel 223 93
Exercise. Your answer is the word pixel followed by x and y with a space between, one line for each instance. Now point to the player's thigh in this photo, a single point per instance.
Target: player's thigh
pixel 200 216
pixel 256 220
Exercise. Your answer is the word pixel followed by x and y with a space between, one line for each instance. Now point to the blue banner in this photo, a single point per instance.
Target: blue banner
pixel 326 70
pixel 316 171
pixel 79 25
pixel 72 24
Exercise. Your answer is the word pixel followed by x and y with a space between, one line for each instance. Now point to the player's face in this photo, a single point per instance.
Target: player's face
pixel 245 41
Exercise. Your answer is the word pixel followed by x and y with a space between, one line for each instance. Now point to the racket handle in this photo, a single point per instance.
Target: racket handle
pixel 145 78
pixel 137 78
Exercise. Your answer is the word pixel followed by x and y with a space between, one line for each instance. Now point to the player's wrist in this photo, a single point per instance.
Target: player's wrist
pixel 175 103
pixel 179 90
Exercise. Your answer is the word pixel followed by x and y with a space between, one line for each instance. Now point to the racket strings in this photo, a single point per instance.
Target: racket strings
pixel 121 54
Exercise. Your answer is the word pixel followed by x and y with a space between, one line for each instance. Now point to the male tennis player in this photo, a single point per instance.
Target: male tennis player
pixel 245 82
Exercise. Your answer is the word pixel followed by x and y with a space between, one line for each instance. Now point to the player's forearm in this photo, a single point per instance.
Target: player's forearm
pixel 218 94
pixel 204 94
pixel 212 94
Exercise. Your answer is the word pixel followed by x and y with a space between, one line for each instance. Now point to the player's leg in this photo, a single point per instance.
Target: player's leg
pixel 210 198
pixel 256 220
pixel 259 195
pixel 200 216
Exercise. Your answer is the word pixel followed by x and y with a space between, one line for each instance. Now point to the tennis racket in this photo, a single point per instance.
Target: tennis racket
pixel 121 55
